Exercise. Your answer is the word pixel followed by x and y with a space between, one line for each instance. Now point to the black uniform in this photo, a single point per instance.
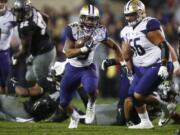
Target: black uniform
pixel 36 25
pixel 38 45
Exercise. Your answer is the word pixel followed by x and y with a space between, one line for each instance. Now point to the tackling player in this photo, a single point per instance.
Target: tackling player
pixel 37 45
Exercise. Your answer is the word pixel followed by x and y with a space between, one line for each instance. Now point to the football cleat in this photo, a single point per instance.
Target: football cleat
pixel 90 113
pixel 142 125
pixel 23 120
pixel 73 123
pixel 129 123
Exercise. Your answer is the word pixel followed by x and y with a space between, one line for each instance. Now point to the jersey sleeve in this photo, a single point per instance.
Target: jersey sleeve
pixel 101 34
pixel 68 33
pixel 152 25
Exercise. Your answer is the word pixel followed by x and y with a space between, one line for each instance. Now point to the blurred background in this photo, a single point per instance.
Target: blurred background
pixel 63 12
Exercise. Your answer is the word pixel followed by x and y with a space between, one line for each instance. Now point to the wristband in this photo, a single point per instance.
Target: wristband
pixel 84 49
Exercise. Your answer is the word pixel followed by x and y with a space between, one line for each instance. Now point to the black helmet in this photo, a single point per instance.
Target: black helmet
pixel 43 108
pixel 22 9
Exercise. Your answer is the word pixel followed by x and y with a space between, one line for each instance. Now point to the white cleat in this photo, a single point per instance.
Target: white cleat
pixel 73 123
pixel 142 125
pixel 165 116
pixel 22 120
pixel 90 113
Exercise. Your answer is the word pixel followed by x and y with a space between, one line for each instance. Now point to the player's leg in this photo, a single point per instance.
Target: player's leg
pixel 12 108
pixel 167 109
pixel 4 70
pixel 145 87
pixel 140 107
pixel 42 64
pixel 83 95
pixel 69 83
pixel 31 81
pixel 90 84
pixel 125 101
pixel 38 70
pixel 129 108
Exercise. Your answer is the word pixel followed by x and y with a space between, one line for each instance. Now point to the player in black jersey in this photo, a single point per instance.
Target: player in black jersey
pixel 37 45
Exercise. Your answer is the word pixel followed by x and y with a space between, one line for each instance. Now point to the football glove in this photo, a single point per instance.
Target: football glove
pixel 87 47
pixel 107 62
pixel 163 73
pixel 29 60
pixel 14 60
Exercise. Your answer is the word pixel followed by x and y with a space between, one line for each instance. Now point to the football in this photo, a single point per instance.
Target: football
pixel 81 41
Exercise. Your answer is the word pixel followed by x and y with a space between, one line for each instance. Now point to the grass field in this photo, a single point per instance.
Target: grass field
pixel 42 128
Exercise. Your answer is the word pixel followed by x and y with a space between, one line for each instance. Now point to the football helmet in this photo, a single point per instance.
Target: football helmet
pixel 134 12
pixel 22 9
pixel 3 6
pixel 89 16
pixel 43 108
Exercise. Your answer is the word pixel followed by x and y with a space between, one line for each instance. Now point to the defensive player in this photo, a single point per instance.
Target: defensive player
pixel 150 60
pixel 82 39
pixel 6 30
pixel 37 45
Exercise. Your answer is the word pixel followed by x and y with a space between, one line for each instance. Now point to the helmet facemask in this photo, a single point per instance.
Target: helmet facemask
pixel 89 17
pixel 89 21
pixel 22 11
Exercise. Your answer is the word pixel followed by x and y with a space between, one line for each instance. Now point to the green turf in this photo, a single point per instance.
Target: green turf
pixel 42 128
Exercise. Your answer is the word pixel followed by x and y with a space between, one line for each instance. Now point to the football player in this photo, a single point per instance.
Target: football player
pixel 6 30
pixel 37 45
pixel 39 108
pixel 150 61
pixel 81 40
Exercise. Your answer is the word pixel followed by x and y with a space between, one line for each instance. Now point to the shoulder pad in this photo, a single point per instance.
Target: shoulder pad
pixel 146 19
